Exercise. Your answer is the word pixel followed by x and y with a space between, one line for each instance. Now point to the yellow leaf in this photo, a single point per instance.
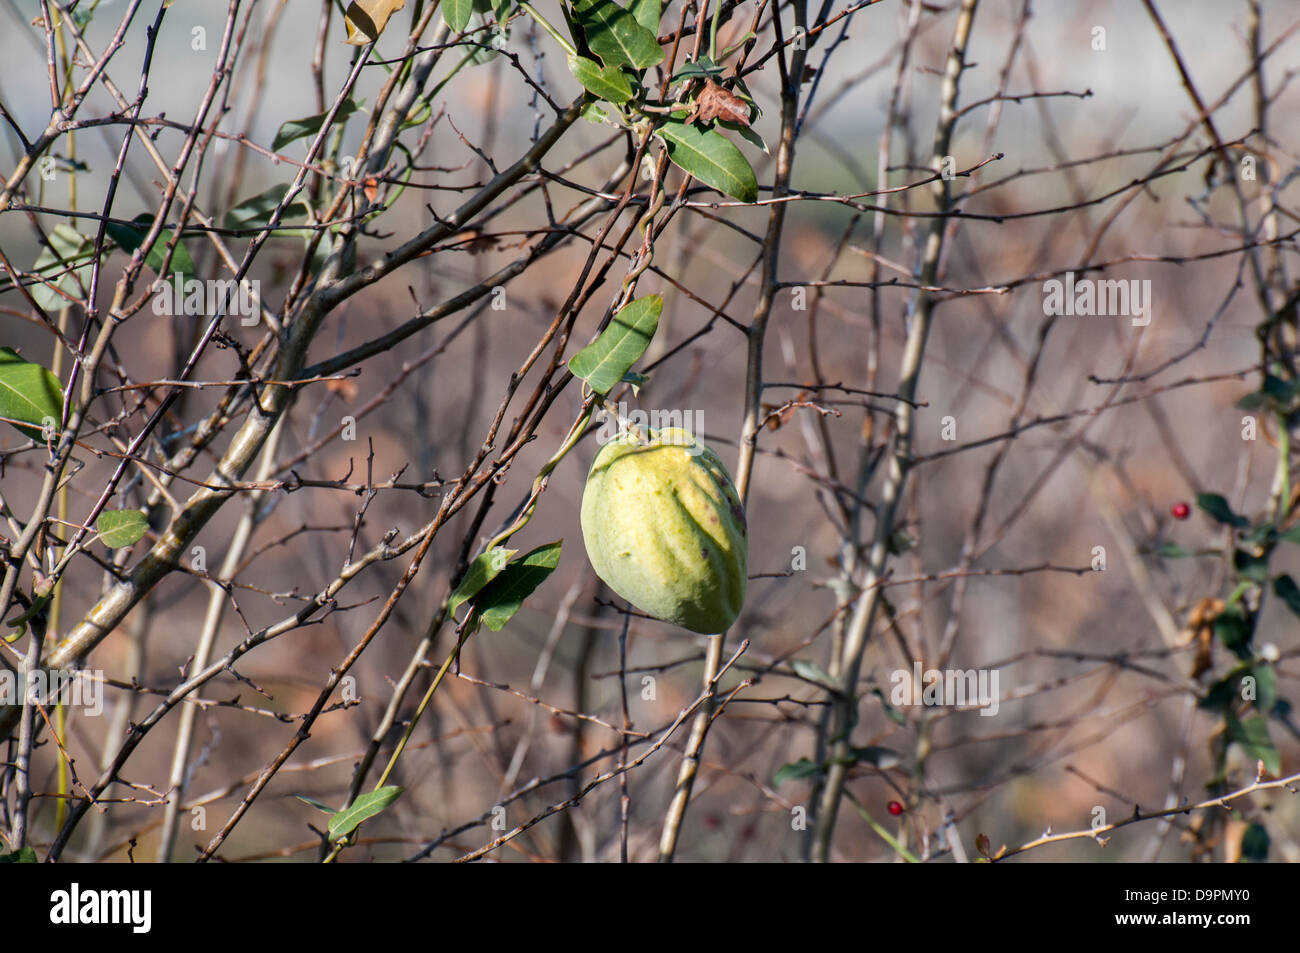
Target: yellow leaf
pixel 366 19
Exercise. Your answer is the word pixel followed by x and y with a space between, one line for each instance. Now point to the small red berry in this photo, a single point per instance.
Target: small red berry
pixel 1181 511
pixel 895 808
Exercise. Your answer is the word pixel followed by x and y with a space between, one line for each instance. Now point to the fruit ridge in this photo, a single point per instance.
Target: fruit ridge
pixel 664 528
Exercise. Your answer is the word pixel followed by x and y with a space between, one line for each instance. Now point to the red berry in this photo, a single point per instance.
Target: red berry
pixel 1181 511
pixel 895 808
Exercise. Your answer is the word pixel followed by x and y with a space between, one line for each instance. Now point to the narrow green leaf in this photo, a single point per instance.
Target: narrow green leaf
pixel 1218 507
pixel 1173 551
pixel 298 128
pixel 71 248
pixel 362 809
pixel 812 672
pixel 749 35
pixel 1252 735
pixel 485 567
pixel 324 808
pixel 24 855
pixel 795 771
pixel 603 363
pixel 615 35
pixel 747 133
pixel 129 237
pixel 604 82
pixel 710 157
pixel 646 13
pixel 504 596
pixel 118 528
pixel 892 713
pixel 30 393
pixel 697 69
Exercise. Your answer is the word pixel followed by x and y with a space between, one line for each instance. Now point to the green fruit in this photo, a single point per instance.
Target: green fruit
pixel 664 528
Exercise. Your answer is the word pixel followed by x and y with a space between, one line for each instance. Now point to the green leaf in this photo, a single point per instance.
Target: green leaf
pixel 24 855
pixel 646 13
pixel 697 69
pixel 129 238
pixel 710 157
pixel 485 567
pixel 504 596
pixel 1230 689
pixel 298 128
pixel 749 35
pixel 457 13
pixel 593 113
pixel 490 45
pixel 608 83
pixel 1284 588
pixel 1233 630
pixel 803 768
pixel 362 809
pixel 1254 845
pixel 1250 566
pixel 30 393
pixel 1265 687
pixel 1261 534
pixel 324 808
pixel 1252 735
pixel 746 133
pixel 899 542
pixel 615 35
pixel 1173 551
pixel 1218 507
pixel 603 363
pixel 1280 391
pixel 812 672
pixel 118 528
pixel 70 247
pixel 1223 692
pixel 255 212
pixel 1292 535
pixel 892 713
